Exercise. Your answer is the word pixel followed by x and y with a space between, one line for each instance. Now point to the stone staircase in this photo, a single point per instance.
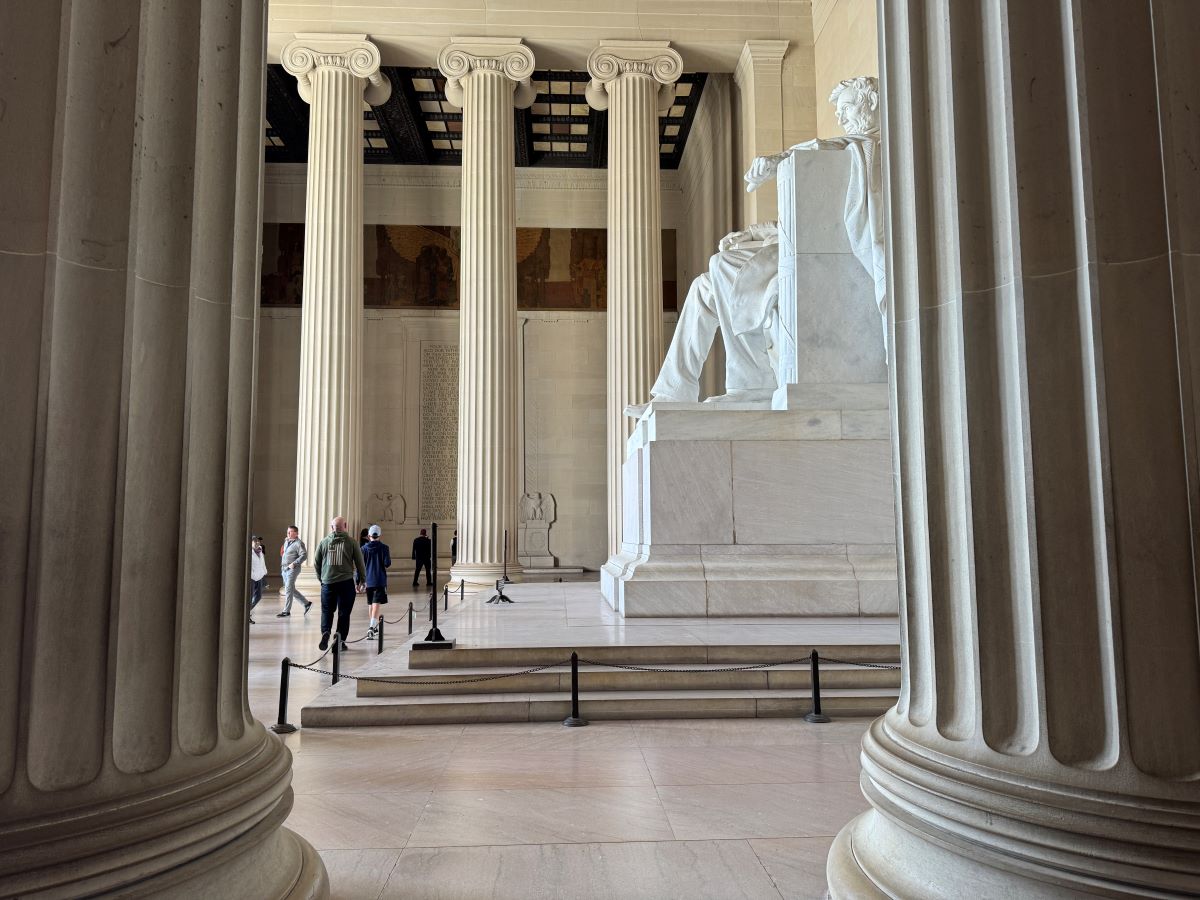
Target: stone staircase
pixel 696 687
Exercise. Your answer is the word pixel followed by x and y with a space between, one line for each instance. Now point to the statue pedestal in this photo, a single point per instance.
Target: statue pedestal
pixel 745 512
pixel 533 539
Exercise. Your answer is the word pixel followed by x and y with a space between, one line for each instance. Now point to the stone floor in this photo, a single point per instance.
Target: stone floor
pixel 647 809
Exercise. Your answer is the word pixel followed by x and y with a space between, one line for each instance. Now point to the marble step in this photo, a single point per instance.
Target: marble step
pixel 597 678
pixel 648 654
pixel 341 709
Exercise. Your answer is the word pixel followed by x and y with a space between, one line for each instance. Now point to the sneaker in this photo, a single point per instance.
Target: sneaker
pixel 307 607
pixel 282 615
pixel 343 648
pixel 371 632
pixel 324 642
pixel 252 621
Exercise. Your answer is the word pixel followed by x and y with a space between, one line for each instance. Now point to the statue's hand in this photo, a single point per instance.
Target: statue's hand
pixel 762 169
pixel 732 239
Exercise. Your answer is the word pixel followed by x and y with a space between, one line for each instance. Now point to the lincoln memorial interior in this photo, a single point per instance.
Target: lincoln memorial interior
pixel 787 411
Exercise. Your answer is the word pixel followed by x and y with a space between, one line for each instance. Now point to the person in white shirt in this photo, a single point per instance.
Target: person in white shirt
pixel 258 572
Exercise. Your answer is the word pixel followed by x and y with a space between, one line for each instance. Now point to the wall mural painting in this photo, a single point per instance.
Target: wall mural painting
pixel 416 267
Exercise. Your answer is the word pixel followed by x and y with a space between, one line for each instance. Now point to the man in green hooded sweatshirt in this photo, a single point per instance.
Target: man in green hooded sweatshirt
pixel 339 565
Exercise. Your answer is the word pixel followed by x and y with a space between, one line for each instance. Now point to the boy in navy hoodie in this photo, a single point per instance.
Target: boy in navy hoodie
pixel 377 557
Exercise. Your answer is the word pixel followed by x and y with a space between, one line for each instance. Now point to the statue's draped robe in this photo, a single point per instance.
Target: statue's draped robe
pixel 739 292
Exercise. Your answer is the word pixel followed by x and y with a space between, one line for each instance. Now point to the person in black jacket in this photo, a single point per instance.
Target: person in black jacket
pixel 422 554
pixel 377 556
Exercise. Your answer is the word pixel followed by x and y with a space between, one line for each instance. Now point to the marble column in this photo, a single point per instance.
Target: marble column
pixel 1043 238
pixel 129 762
pixel 760 107
pixel 487 78
pixel 633 80
pixel 334 73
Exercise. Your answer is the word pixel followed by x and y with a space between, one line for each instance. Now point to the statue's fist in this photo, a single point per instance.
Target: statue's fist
pixel 762 169
pixel 732 239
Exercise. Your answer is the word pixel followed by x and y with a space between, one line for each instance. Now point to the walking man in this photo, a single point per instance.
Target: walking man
pixel 377 556
pixel 339 565
pixel 258 572
pixel 292 554
pixel 422 553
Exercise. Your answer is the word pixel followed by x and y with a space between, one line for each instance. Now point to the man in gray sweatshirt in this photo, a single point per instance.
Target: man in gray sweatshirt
pixel 339 565
pixel 292 554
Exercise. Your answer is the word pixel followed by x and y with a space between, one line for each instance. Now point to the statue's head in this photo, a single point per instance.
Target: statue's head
pixel 857 104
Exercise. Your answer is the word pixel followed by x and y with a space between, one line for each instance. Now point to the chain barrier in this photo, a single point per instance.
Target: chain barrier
pixel 314 662
pixel 787 662
pixel 813 658
pixel 565 662
pixel 864 665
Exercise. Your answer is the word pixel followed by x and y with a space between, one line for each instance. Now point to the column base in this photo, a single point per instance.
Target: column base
pixel 215 833
pixel 942 829
pixel 484 574
pixel 284 866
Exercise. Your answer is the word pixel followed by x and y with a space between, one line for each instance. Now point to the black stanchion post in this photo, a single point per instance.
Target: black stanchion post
pixel 410 616
pixel 337 656
pixel 433 576
pixel 434 639
pixel 574 720
pixel 379 635
pixel 462 591
pixel 815 667
pixel 446 597
pixel 505 577
pixel 281 725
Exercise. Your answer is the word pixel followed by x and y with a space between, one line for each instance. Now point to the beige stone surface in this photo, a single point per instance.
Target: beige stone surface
pixel 562 372
pixel 845 45
pixel 705 870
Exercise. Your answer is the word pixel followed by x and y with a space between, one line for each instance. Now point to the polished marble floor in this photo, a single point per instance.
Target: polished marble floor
pixel 648 809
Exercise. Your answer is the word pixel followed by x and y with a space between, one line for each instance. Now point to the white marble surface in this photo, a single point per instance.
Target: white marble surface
pixel 690 492
pixel 457 812
pixel 813 492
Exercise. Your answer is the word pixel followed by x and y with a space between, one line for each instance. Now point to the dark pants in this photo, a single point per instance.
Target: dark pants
pixel 338 597
pixel 417 572
pixel 256 591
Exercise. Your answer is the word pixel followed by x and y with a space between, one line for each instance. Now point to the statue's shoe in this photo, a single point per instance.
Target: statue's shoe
pixel 750 395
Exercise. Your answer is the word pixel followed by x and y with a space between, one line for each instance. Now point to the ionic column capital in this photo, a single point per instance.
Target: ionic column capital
pixel 354 52
pixel 650 59
pixel 508 56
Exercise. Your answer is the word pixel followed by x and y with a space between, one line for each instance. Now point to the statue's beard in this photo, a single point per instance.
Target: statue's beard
pixel 859 125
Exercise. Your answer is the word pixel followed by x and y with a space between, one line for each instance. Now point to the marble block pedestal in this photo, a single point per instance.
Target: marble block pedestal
pixel 748 512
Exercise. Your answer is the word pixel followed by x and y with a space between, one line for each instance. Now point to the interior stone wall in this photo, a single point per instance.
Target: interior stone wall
pixel 562 367
pixel 410 356
pixel 846 44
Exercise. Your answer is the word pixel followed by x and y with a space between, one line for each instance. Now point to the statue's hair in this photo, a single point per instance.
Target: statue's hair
pixel 865 87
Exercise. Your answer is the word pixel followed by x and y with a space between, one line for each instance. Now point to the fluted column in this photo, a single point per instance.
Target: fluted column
pixel 333 72
pixel 486 77
pixel 129 761
pixel 633 80
pixel 1043 231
